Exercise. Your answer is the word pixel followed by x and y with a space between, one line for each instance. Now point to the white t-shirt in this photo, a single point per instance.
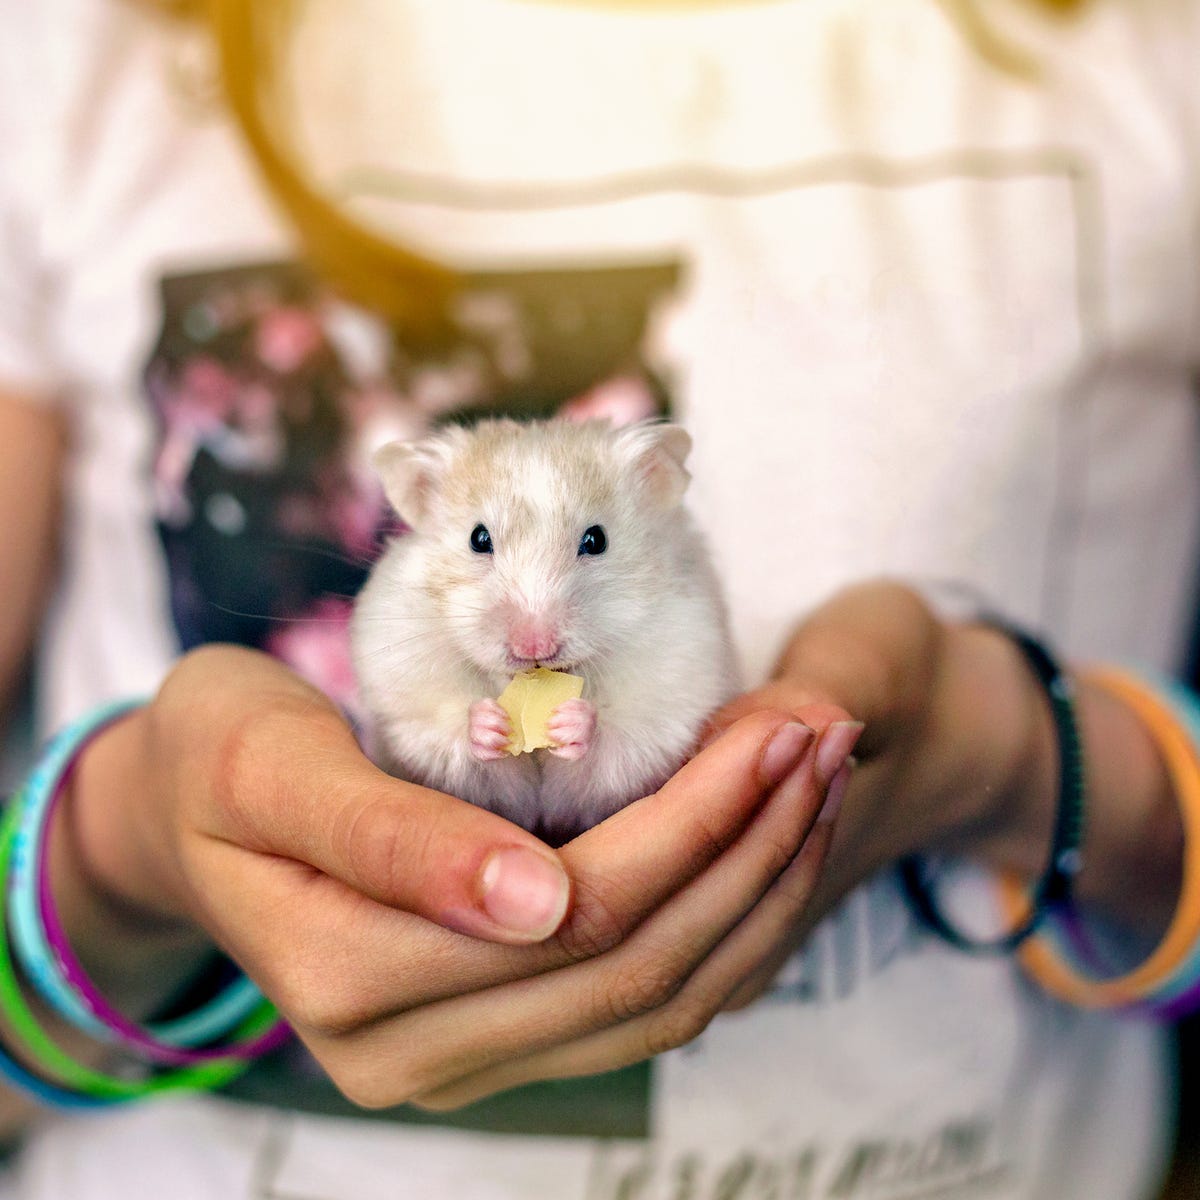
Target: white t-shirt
pixel 923 317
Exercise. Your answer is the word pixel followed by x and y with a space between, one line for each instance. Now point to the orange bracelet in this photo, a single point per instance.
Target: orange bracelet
pixel 1039 956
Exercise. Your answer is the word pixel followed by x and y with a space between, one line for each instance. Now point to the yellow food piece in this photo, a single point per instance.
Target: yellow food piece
pixel 530 699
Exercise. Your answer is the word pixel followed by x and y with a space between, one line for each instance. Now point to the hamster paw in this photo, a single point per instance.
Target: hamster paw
pixel 570 728
pixel 488 730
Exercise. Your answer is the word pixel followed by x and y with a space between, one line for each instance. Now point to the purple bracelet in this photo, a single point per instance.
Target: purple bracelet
pixel 130 1032
pixel 1174 1009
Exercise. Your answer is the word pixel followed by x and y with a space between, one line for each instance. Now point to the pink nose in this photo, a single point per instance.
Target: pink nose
pixel 532 640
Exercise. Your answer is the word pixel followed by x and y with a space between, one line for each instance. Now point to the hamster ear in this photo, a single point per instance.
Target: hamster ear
pixel 407 471
pixel 658 452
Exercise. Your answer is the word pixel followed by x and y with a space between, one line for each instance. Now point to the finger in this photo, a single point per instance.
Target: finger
pixel 430 1047
pixel 352 959
pixel 763 973
pixel 777 696
pixel 874 648
pixel 292 782
pixel 629 865
pixel 812 708
pixel 708 991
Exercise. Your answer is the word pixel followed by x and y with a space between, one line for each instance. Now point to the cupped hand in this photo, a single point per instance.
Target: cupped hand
pixel 423 948
pixel 956 753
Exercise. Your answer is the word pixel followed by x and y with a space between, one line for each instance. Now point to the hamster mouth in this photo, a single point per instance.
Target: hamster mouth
pixel 557 663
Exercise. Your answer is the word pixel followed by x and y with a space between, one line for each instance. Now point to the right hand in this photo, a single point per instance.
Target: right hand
pixel 239 802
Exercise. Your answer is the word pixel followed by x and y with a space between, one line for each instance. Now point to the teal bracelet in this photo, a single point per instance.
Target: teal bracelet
pixel 74 1084
pixel 209 1023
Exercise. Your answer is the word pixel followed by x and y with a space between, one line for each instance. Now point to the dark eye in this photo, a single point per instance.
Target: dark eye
pixel 593 541
pixel 481 540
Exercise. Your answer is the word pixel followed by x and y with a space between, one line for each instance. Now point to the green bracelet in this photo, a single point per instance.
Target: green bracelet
pixel 55 1062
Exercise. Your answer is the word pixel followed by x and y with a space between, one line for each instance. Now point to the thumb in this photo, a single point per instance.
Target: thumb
pixel 294 783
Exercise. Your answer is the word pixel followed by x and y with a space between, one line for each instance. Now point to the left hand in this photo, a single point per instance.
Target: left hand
pixel 956 755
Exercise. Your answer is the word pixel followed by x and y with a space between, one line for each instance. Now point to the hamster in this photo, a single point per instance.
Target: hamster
pixel 551 543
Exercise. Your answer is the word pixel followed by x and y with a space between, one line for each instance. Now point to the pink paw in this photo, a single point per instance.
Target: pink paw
pixel 571 727
pixel 488 730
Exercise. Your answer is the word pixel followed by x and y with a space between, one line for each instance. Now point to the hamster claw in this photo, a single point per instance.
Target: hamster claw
pixel 571 728
pixel 488 731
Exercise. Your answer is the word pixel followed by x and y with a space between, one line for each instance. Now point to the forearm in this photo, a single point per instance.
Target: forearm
pixel 32 452
pixel 999 804
pixel 104 876
pixel 959 755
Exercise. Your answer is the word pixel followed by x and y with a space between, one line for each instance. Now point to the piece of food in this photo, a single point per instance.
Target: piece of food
pixel 530 699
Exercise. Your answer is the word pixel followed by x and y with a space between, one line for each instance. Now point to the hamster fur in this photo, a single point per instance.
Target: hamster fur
pixel 448 614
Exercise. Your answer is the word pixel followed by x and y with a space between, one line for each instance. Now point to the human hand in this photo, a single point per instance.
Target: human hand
pixel 956 754
pixel 348 895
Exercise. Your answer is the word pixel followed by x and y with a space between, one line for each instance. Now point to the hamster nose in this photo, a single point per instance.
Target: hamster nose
pixel 535 640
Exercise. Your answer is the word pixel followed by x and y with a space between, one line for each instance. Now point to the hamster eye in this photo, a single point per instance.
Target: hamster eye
pixel 594 540
pixel 481 540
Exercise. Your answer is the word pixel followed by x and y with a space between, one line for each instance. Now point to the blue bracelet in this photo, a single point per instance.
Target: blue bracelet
pixel 47 1093
pixel 209 1023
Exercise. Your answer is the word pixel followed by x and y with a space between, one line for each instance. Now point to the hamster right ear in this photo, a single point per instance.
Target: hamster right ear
pixel 407 471
pixel 658 451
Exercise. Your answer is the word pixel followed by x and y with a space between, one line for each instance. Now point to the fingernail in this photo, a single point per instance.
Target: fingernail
pixel 784 751
pixel 835 793
pixel 836 743
pixel 524 892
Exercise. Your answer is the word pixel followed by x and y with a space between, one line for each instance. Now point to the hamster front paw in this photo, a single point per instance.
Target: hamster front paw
pixel 570 728
pixel 489 731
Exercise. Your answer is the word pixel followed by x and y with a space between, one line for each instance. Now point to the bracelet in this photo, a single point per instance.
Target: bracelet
pixel 55 972
pixel 46 954
pixel 1179 992
pixel 1053 889
pixel 42 947
pixel 1167 983
pixel 73 1075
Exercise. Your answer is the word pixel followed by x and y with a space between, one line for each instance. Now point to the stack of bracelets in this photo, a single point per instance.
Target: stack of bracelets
pixel 201 1049
pixel 1047 933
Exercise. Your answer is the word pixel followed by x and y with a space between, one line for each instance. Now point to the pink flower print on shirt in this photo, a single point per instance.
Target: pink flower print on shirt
pixel 286 338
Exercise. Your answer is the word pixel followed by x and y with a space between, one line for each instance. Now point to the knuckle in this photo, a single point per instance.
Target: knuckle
pixel 369 1085
pixel 707 842
pixel 324 1013
pixel 442 1102
pixel 315 1001
pixel 593 926
pixel 369 1075
pixel 256 758
pixel 239 777
pixel 385 846
pixel 643 987
pixel 777 852
pixel 676 1024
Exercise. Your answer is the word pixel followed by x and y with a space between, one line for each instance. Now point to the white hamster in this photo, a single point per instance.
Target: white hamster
pixel 549 543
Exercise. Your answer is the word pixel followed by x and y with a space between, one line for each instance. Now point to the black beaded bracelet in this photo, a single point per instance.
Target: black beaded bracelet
pixel 1054 888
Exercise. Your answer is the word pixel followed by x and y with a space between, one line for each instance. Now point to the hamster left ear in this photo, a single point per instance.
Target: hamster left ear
pixel 659 452
pixel 406 470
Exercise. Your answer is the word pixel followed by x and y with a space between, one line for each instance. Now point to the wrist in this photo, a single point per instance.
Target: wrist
pixel 1012 821
pixel 999 788
pixel 1131 821
pixel 128 928
pixel 1133 844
